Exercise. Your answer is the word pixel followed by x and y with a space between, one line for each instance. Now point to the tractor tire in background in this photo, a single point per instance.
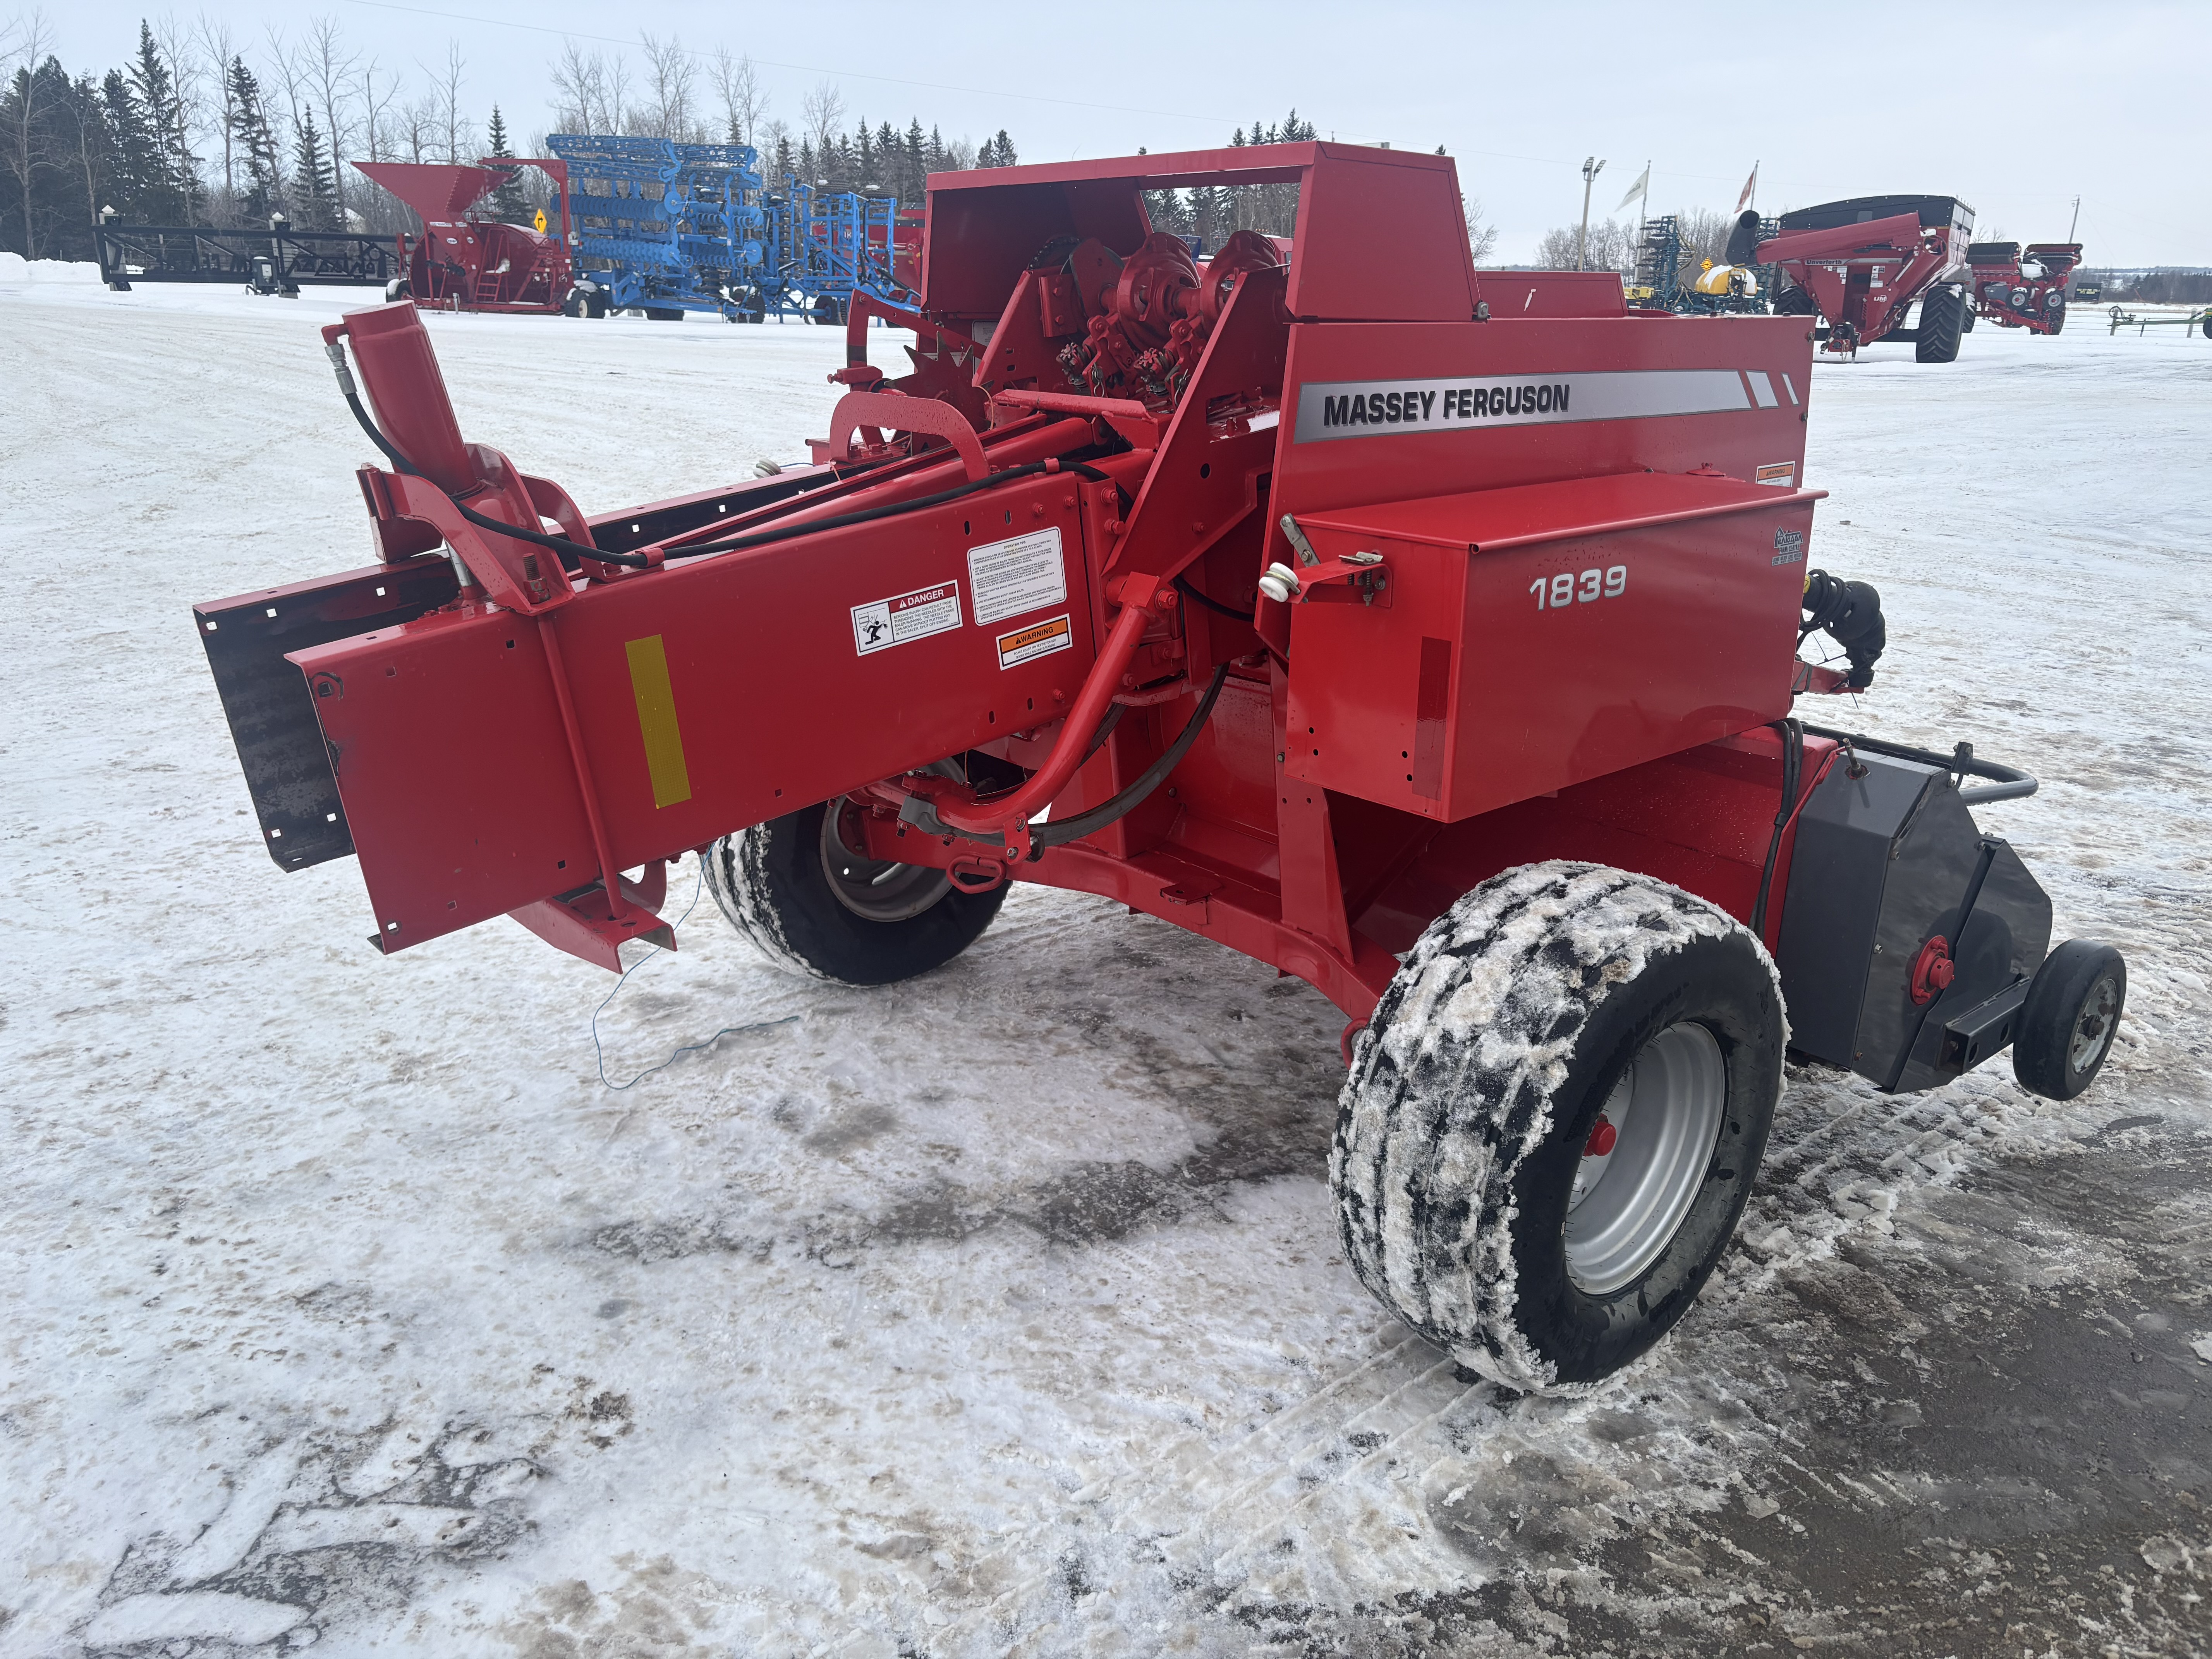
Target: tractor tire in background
pixel 1793 301
pixel 1553 1118
pixel 827 311
pixel 664 313
pixel 2054 311
pixel 812 906
pixel 397 289
pixel 1942 322
pixel 2066 1025
pixel 1966 316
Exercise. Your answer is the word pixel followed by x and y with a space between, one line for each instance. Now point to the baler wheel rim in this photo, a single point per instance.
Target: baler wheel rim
pixel 874 889
pixel 1629 1199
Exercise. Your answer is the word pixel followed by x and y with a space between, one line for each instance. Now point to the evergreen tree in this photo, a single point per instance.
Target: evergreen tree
pixel 864 167
pixel 314 204
pixel 509 204
pixel 173 192
pixel 136 190
pixel 936 158
pixel 914 174
pixel 249 126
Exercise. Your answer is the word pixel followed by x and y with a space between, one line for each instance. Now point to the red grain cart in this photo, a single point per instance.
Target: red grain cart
pixel 1432 638
pixel 470 263
pixel 1861 263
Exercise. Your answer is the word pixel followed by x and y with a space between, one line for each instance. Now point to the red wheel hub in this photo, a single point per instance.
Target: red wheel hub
pixel 1933 970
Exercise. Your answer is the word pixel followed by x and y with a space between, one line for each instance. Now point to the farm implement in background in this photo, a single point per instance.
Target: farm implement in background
pixel 664 228
pixel 1431 637
pixel 463 261
pixel 276 261
pixel 2022 290
pixel 1662 283
pixel 1861 265
pixel 2189 323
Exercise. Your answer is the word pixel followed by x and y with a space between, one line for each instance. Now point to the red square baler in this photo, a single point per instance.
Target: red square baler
pixel 1430 635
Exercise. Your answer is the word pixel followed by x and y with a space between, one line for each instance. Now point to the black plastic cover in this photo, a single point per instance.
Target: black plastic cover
pixel 1883 863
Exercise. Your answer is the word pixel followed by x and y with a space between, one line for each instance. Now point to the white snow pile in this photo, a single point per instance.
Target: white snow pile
pixel 15 269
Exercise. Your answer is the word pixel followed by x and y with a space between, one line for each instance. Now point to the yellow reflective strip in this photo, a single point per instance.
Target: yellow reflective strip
pixel 656 721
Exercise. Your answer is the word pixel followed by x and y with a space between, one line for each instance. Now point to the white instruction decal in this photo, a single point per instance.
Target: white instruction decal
pixel 1010 577
pixel 1037 640
pixel 910 617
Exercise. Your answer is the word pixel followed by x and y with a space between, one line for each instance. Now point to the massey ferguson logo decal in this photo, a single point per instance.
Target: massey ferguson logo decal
pixel 1371 408
pixel 1460 403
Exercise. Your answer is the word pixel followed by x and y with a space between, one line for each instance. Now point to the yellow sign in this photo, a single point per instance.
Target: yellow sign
pixel 540 221
pixel 656 721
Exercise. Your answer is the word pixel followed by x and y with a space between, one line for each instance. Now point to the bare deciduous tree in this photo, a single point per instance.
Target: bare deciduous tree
pixel 1611 247
pixel 380 92
pixel 453 134
pixel 329 69
pixel 669 82
pixel 215 45
pixel 23 42
pixel 1482 235
pixel 744 100
pixel 823 109
pixel 418 128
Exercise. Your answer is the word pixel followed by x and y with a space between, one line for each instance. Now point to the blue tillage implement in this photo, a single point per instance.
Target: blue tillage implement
pixel 666 228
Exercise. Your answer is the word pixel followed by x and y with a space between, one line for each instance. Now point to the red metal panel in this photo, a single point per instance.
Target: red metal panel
pixel 1356 205
pixel 1674 599
pixel 1527 295
pixel 449 739
pixel 1403 460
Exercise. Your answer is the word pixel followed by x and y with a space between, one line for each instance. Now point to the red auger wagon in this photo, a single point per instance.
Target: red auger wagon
pixel 1433 638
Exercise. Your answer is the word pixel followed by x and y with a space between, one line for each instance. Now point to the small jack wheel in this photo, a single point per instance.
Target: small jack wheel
pixel 2074 1006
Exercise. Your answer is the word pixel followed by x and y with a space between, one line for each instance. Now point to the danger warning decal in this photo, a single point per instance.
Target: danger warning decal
pixel 910 617
pixel 1037 640
pixel 1784 473
pixel 1370 409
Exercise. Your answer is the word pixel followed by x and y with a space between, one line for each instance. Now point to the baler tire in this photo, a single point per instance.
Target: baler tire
pixel 2074 1007
pixel 772 883
pixel 1518 1019
pixel 1942 326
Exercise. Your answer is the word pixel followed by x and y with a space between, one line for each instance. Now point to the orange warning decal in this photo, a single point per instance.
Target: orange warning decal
pixel 1037 640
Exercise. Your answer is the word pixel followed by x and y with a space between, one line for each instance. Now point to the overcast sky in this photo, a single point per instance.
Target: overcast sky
pixel 2017 107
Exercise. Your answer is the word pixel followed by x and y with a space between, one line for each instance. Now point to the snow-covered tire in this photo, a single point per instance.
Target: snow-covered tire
pixel 775 884
pixel 1518 1017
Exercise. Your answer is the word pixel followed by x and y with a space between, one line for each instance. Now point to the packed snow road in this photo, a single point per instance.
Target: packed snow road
pixel 1002 1311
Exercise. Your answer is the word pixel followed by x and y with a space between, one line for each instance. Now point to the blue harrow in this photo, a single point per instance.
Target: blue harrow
pixel 664 228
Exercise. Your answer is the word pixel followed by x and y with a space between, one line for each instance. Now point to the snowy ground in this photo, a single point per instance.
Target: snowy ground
pixel 1002 1311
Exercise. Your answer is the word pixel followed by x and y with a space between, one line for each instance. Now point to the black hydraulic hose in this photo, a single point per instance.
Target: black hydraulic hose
pixel 1190 592
pixel 571 550
pixel 870 515
pixel 1793 763
pixel 1056 831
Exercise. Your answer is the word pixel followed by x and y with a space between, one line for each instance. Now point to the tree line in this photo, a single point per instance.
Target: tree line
pixel 200 127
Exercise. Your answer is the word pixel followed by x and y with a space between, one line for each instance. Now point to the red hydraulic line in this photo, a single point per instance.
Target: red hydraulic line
pixel 1140 595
